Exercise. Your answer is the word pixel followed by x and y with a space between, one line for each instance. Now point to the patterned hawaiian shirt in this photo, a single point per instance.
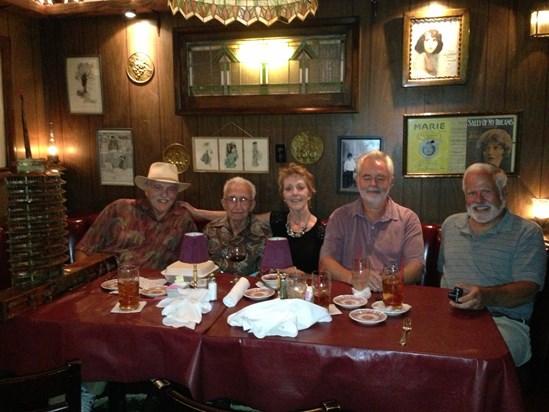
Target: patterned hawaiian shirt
pixel 129 228
pixel 220 236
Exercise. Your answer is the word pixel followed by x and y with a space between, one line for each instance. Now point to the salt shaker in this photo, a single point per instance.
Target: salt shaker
pixel 212 288
pixel 283 292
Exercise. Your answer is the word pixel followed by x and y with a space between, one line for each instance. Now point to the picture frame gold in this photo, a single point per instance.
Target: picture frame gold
pixel 435 48
pixel 445 144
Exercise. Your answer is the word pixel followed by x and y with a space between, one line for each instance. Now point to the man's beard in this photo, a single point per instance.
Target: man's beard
pixel 485 216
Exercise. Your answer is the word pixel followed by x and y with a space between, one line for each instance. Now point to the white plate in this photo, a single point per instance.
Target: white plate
pixel 367 316
pixel 259 293
pixel 350 301
pixel 379 305
pixel 154 291
pixel 111 284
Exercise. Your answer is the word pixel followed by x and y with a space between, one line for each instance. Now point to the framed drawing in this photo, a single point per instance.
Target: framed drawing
pixel 256 155
pixel 205 154
pixel 445 144
pixel 230 154
pixel 84 85
pixel 115 148
pixel 435 48
pixel 349 149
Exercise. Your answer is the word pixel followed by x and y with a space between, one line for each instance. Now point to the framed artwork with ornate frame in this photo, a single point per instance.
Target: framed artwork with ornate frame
pixel 445 144
pixel 435 48
pixel 115 147
pixel 349 149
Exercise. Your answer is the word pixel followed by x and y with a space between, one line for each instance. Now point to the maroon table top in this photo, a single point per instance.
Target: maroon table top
pixel 454 360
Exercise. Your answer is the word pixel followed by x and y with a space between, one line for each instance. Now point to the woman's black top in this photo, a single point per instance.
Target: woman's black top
pixel 305 250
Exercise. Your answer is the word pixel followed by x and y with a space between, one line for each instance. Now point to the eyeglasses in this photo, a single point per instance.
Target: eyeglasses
pixel 233 200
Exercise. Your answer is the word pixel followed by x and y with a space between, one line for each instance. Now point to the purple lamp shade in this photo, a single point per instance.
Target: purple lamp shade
pixel 194 248
pixel 277 254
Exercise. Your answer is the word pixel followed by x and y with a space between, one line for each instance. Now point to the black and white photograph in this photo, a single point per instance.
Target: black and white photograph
pixel 115 148
pixel 349 150
pixel 435 48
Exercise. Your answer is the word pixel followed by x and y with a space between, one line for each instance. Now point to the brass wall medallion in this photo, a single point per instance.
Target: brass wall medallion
pixel 178 155
pixel 140 68
pixel 307 147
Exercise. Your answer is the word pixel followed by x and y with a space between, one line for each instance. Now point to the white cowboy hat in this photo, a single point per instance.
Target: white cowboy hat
pixel 161 172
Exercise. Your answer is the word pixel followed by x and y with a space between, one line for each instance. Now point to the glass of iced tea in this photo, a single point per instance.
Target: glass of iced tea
pixel 393 286
pixel 322 287
pixel 128 287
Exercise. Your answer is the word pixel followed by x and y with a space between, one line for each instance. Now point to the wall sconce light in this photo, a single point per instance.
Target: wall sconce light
pixel 130 14
pixel 540 211
pixel 539 21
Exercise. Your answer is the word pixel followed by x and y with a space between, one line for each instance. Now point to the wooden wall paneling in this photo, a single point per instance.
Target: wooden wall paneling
pixel 144 99
pixel 23 82
pixel 79 129
pixel 118 107
pixel 171 129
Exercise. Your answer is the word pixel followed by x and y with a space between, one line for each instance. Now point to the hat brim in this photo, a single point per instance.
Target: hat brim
pixel 141 182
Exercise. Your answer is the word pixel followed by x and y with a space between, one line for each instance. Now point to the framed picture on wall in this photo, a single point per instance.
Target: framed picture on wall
pixel 205 154
pixel 349 149
pixel 84 85
pixel 435 48
pixel 256 155
pixel 445 144
pixel 115 148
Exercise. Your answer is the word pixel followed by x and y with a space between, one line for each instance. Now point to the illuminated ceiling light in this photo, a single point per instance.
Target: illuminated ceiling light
pixel 130 14
pixel 539 22
pixel 245 11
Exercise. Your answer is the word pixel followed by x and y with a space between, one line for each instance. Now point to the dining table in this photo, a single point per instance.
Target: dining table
pixel 453 360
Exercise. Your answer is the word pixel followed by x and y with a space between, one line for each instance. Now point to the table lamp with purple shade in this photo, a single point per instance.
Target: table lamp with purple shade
pixel 276 255
pixel 194 248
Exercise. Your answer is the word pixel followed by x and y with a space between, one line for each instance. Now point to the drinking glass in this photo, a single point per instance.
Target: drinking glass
pixel 296 285
pixel 128 287
pixel 322 287
pixel 392 286
pixel 360 273
pixel 236 253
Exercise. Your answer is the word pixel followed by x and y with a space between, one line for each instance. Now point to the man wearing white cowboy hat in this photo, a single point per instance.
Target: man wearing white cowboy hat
pixel 146 232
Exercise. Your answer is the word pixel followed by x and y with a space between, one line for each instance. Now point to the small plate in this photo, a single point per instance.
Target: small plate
pixel 259 293
pixel 367 316
pixel 111 284
pixel 154 291
pixel 379 305
pixel 350 301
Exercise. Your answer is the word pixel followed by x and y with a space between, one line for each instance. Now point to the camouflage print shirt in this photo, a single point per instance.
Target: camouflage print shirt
pixel 220 236
pixel 129 228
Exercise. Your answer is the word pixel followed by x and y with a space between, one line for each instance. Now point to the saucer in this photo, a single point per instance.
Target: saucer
pixel 154 291
pixel 259 293
pixel 350 301
pixel 367 316
pixel 111 284
pixel 379 305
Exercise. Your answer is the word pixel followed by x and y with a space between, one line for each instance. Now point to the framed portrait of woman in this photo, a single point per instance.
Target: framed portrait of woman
pixel 435 48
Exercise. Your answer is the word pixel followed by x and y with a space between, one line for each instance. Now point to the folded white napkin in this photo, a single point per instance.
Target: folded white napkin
pixel 365 293
pixel 279 317
pixel 186 309
pixel 236 293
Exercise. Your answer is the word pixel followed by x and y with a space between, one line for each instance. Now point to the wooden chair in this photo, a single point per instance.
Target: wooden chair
pixel 179 400
pixel 34 392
